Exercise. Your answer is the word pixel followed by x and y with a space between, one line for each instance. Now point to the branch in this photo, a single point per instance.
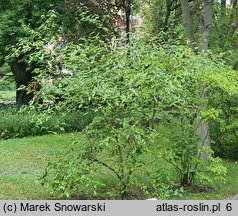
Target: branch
pixel 169 4
pixel 108 167
pixel 166 161
pixel 172 163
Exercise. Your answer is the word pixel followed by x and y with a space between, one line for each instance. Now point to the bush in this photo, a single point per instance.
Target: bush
pixel 136 93
pixel 5 85
pixel 19 125
pixel 224 128
pixel 136 97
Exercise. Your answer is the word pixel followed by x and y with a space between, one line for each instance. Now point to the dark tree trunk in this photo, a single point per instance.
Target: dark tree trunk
pixel 160 15
pixel 187 21
pixel 128 14
pixel 223 7
pixel 168 13
pixel 233 17
pixel 22 78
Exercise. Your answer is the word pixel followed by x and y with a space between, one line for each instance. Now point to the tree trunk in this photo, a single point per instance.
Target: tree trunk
pixel 223 26
pixel 160 8
pixel 22 78
pixel 233 17
pixel 205 26
pixel 223 7
pixel 168 13
pixel 187 21
pixel 128 14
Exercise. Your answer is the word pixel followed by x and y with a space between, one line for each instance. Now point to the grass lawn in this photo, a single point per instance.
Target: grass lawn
pixel 22 161
pixel 7 95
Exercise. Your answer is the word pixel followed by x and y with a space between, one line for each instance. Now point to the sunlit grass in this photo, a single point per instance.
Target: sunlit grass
pixel 7 95
pixel 23 160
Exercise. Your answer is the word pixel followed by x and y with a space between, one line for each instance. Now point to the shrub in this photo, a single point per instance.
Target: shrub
pixel 135 97
pixel 6 85
pixel 19 125
pixel 224 128
pixel 135 94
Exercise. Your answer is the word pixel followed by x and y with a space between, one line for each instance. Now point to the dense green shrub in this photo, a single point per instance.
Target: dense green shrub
pixel 6 85
pixel 15 124
pixel 138 96
pixel 149 100
pixel 10 108
pixel 224 128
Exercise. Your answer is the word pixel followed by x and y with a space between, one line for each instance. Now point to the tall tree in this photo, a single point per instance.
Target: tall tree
pixel 12 14
pixel 74 16
pixel 204 30
pixel 205 22
pixel 84 18
pixel 187 21
pixel 205 25
pixel 126 7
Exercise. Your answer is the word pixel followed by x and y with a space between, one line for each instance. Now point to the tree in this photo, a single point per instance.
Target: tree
pixel 76 19
pixel 187 21
pixel 126 7
pixel 204 30
pixel 164 15
pixel 12 15
pixel 205 25
pixel 86 18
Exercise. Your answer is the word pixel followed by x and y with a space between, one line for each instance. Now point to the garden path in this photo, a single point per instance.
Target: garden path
pixel 235 197
pixel 7 101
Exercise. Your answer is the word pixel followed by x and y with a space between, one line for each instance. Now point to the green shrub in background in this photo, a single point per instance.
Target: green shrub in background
pixel 10 108
pixel 7 82
pixel 19 125
pixel 6 85
pixel 224 128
